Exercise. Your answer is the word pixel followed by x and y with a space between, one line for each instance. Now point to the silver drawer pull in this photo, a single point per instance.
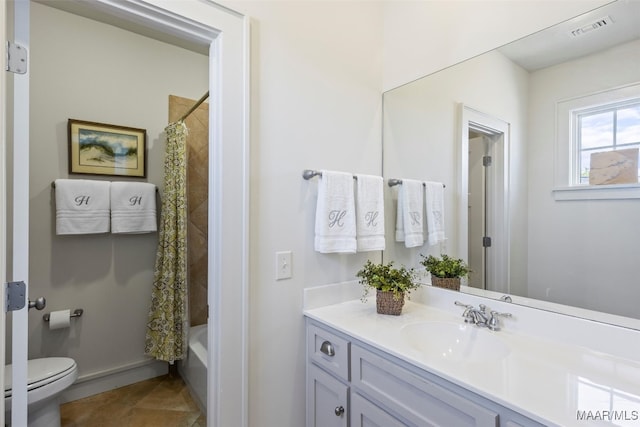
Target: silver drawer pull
pixel 327 348
pixel 339 410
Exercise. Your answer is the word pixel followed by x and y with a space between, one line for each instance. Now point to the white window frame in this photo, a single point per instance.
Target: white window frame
pixel 576 140
pixel 567 186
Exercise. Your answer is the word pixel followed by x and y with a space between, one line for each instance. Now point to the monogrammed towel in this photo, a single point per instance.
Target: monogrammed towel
pixel 335 214
pixel 434 204
pixel 133 207
pixel 369 213
pixel 82 206
pixel 409 222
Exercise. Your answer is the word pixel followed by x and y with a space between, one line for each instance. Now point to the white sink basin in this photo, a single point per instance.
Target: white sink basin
pixel 459 342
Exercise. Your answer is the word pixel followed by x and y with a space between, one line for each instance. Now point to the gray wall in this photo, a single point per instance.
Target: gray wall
pixel 89 71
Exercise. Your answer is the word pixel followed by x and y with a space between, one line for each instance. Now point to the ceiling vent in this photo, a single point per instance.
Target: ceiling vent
pixel 592 26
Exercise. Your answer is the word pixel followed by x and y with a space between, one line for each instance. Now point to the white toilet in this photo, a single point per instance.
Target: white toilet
pixel 47 378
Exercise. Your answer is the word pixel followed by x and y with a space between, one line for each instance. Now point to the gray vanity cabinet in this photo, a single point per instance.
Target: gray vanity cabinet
pixel 327 399
pixel 352 384
pixel 416 398
pixel 327 378
pixel 366 414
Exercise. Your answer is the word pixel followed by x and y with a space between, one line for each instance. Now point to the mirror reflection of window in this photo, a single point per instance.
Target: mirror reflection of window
pixel 605 128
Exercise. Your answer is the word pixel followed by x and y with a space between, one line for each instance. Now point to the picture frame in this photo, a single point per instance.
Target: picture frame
pixel 105 149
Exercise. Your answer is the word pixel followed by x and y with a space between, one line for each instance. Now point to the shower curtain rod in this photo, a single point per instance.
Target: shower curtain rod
pixel 196 105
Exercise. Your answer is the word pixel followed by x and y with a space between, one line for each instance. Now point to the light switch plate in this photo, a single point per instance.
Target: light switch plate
pixel 283 265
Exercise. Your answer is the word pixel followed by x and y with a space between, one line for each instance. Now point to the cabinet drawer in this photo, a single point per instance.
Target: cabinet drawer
pixel 328 351
pixel 415 398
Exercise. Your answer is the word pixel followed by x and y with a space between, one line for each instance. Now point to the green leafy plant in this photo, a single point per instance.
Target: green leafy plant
pixel 445 266
pixel 385 277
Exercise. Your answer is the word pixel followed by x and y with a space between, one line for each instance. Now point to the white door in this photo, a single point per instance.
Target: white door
pixel 3 204
pixel 477 211
pixel 19 205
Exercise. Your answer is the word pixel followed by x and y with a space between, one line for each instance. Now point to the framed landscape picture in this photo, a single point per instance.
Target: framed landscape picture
pixel 103 149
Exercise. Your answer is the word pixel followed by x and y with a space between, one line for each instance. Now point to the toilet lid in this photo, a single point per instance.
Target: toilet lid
pixel 41 372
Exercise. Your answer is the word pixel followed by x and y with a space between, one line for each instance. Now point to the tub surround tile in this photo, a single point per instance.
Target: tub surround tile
pixel 197 201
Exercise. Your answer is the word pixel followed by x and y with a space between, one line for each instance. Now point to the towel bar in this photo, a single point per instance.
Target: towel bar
pixel 394 181
pixel 53 185
pixel 76 313
pixel 309 173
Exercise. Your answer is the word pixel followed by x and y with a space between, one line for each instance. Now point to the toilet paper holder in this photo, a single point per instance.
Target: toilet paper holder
pixel 76 313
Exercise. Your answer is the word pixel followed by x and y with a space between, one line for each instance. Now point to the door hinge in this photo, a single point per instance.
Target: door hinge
pixel 16 58
pixel 486 161
pixel 486 242
pixel 16 295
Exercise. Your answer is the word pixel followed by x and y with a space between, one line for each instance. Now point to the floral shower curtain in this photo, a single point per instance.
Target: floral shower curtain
pixel 167 327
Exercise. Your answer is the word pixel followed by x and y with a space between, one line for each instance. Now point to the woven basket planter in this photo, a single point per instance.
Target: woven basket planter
pixel 446 282
pixel 387 304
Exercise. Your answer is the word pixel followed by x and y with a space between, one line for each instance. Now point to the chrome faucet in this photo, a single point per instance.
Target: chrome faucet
pixel 479 316
pixel 506 298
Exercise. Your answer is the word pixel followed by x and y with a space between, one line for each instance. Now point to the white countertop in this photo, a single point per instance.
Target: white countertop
pixel 546 380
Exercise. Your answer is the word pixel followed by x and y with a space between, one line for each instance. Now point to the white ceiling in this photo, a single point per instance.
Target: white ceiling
pixel 556 44
pixel 539 50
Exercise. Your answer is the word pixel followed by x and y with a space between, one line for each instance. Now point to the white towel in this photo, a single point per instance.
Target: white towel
pixel 434 203
pixel 82 206
pixel 409 222
pixel 133 207
pixel 400 216
pixel 335 214
pixel 369 213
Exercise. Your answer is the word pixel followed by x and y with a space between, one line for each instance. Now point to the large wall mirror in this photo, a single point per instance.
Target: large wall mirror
pixel 538 107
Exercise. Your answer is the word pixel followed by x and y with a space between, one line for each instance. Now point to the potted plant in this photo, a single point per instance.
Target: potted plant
pixel 391 285
pixel 445 271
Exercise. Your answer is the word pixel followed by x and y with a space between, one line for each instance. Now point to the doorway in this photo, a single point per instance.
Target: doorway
pixel 202 23
pixel 483 199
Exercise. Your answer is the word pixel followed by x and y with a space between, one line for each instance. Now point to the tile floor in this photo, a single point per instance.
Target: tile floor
pixel 159 402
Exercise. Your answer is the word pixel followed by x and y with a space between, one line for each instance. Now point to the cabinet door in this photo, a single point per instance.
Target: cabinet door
pixel 327 399
pixel 366 414
pixel 419 400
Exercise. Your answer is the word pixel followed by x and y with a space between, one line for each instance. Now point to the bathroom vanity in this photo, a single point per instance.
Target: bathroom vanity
pixel 427 367
pixel 350 381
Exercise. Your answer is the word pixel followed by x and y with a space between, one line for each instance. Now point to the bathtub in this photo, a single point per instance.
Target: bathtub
pixel 193 368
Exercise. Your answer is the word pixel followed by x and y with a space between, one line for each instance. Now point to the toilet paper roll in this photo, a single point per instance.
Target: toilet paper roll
pixel 59 319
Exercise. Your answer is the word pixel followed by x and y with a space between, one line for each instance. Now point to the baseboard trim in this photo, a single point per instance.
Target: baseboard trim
pixel 109 379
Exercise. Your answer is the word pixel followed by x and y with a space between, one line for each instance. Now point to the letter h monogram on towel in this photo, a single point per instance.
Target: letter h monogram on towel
pixel 335 229
pixel 370 213
pixel 82 206
pixel 410 217
pixel 434 207
pixel 133 207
